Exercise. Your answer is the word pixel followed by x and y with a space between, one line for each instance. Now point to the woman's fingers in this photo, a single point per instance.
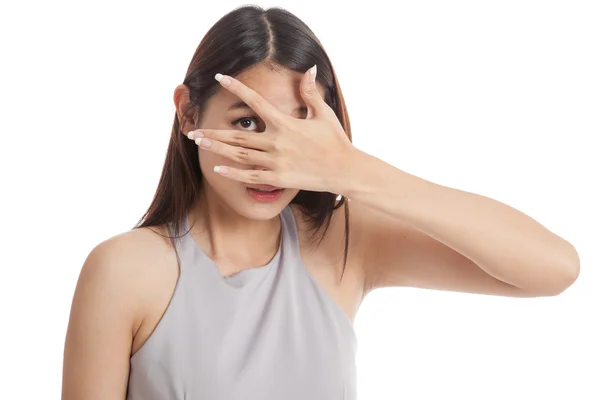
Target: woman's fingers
pixel 242 155
pixel 256 102
pixel 250 176
pixel 257 141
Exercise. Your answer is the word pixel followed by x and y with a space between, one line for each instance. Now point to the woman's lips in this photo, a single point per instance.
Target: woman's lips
pixel 264 197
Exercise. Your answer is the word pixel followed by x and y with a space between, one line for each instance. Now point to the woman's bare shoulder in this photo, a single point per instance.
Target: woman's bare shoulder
pixel 132 253
pixel 333 242
pixel 142 253
pixel 329 251
pixel 136 241
pixel 141 260
pixel 325 260
pixel 117 285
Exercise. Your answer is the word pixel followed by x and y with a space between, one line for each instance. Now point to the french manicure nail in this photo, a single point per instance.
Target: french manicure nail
pixel 225 81
pixel 220 170
pixel 203 142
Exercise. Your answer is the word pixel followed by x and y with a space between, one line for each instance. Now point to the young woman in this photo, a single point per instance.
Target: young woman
pixel 268 229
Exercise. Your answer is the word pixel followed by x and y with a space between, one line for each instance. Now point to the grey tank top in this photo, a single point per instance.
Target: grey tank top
pixel 268 333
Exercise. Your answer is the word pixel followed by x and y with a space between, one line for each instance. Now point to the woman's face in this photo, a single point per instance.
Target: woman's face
pixel 280 87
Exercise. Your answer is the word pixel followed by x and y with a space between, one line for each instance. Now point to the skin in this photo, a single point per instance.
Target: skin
pixel 409 233
pixel 227 214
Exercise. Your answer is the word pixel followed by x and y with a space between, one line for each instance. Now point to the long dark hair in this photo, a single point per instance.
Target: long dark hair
pixel 243 38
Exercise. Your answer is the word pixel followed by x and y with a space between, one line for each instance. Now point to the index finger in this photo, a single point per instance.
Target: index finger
pixel 255 101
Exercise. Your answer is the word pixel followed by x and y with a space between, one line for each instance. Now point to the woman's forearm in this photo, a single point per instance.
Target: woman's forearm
pixel 501 240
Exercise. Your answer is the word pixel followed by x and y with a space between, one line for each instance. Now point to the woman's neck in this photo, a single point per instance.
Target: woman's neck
pixel 230 238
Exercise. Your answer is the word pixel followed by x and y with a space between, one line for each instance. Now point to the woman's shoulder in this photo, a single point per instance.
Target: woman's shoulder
pixel 120 282
pixel 132 252
pixel 325 259
pixel 139 265
pixel 330 250
pixel 333 237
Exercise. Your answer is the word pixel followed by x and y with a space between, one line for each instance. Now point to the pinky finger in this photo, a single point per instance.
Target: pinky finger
pixel 250 176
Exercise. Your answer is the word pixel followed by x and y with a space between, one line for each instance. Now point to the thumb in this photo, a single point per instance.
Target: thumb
pixel 309 92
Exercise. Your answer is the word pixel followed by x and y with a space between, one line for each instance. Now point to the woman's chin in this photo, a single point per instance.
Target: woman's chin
pixel 262 211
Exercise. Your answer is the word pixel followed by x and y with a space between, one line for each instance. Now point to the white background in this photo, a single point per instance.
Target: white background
pixel 501 98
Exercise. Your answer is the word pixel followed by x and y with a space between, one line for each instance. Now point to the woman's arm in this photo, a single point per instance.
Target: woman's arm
pixel 426 235
pixel 101 325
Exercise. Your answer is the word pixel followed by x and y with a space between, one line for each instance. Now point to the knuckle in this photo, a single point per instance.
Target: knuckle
pixel 275 144
pixel 254 176
pixel 310 89
pixel 239 139
pixel 242 155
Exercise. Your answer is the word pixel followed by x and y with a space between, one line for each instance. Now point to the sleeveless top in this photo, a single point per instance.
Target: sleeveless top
pixel 268 333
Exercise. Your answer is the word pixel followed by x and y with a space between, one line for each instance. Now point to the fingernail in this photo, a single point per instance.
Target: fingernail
pixel 225 81
pixel 203 142
pixel 313 73
pixel 191 134
pixel 220 170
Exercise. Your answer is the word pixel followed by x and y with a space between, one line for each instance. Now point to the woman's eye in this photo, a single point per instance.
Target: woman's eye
pixel 246 123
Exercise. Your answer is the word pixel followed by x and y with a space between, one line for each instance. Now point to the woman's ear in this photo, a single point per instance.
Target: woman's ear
pixel 181 98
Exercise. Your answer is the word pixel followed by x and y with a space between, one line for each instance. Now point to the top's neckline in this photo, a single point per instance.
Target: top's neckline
pixel 288 237
pixel 246 271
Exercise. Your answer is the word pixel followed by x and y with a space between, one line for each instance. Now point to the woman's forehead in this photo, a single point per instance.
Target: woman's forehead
pixel 279 86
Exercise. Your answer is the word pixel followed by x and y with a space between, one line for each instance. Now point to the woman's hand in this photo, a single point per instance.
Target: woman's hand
pixel 309 154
